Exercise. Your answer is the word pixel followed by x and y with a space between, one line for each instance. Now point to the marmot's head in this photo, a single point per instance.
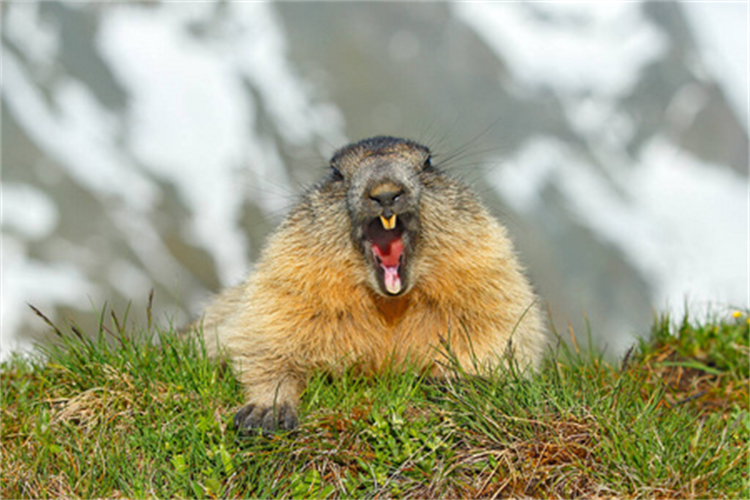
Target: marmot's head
pixel 383 187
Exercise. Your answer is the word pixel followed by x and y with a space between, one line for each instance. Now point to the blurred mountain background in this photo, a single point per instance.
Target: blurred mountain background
pixel 155 145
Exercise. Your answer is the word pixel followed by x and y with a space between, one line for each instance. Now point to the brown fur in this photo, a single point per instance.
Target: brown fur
pixel 314 300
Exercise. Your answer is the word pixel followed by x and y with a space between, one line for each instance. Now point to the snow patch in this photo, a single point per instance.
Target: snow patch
pixel 26 281
pixel 27 210
pixel 35 37
pixel 722 30
pixel 569 48
pixel 681 222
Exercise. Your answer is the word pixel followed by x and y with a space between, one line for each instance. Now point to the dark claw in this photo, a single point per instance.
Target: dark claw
pixel 269 422
pixel 288 420
pixel 250 418
pixel 241 415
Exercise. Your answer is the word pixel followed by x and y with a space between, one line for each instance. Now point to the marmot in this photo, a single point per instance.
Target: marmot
pixel 387 260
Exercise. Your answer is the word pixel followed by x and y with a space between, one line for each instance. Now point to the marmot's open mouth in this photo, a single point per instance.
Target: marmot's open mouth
pixel 385 236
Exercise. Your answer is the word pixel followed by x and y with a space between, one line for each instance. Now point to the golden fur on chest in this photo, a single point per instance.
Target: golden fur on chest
pixel 325 316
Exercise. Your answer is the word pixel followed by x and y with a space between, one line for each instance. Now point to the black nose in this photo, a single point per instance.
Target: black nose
pixel 386 195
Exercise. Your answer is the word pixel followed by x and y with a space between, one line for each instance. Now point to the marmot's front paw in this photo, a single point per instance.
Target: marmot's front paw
pixel 269 419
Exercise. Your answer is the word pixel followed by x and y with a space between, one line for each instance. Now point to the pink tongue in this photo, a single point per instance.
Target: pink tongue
pixel 391 279
pixel 389 260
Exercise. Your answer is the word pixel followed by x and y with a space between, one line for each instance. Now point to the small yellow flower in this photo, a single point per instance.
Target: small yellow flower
pixel 737 314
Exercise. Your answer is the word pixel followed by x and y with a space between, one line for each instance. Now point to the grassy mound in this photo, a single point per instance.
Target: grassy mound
pixel 145 414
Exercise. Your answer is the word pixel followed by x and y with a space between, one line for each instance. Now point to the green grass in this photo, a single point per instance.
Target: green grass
pixel 143 413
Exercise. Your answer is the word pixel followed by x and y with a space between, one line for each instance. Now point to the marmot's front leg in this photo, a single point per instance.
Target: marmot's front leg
pixel 272 398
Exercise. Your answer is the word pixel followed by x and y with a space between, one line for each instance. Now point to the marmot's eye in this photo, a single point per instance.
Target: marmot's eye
pixel 337 174
pixel 427 164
